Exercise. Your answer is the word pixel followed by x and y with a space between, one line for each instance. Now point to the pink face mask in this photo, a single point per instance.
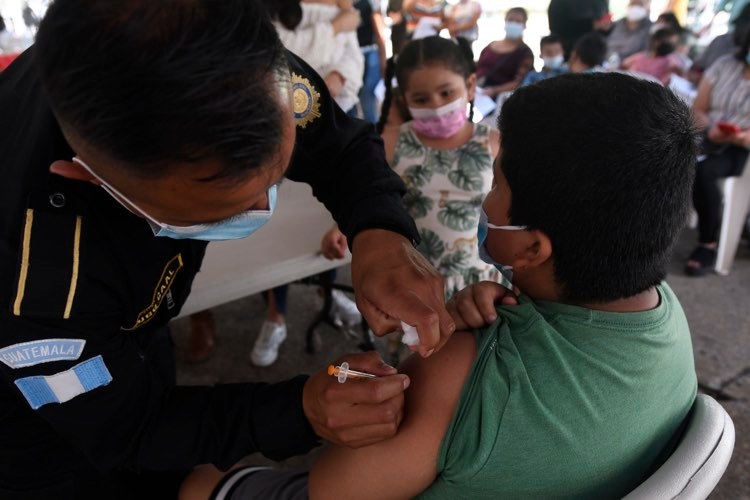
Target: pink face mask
pixel 442 122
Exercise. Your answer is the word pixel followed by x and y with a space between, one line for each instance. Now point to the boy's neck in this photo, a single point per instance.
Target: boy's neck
pixel 643 301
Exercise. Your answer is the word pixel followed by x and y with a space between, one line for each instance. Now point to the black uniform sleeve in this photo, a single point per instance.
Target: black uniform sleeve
pixel 128 415
pixel 342 158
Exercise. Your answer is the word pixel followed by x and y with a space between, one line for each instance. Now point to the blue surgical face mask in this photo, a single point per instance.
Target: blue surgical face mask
pixel 235 227
pixel 554 62
pixel 482 231
pixel 513 29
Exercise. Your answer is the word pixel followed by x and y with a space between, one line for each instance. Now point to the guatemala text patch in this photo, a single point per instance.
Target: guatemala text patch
pixel 41 351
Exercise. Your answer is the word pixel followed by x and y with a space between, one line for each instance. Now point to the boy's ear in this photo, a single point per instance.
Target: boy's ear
pixel 536 250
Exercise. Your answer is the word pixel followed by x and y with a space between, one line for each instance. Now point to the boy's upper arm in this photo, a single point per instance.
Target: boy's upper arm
pixel 406 464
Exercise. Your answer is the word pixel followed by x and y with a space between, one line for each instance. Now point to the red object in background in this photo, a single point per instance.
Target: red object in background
pixel 728 128
pixel 6 59
pixel 605 18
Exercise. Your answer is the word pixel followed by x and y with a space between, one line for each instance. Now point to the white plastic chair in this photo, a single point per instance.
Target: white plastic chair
pixel 736 206
pixel 700 459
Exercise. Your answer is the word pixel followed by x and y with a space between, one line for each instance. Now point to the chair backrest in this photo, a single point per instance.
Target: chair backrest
pixel 736 207
pixel 700 459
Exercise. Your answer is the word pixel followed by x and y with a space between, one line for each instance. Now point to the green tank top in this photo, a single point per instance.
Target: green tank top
pixel 568 402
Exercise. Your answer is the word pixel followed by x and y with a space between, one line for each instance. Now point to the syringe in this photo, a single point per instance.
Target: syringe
pixel 342 371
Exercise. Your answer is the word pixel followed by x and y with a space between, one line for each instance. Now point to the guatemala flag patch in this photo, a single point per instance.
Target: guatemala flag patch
pixel 40 390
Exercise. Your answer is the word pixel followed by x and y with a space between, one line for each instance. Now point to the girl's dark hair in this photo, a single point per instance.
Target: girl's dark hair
pixel 155 86
pixel 745 46
pixel 454 54
pixel 286 12
pixel 671 19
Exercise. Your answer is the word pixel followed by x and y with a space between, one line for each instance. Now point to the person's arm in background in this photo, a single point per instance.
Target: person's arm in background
pixel 405 465
pixel 321 34
pixel 701 108
pixel 342 159
pixel 351 65
pixel 378 25
pixel 701 104
pixel 457 27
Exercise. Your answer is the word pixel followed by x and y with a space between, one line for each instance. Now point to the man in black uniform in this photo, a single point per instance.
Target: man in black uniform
pixel 132 133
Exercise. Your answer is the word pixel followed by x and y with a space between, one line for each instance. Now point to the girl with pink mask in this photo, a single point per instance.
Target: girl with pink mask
pixel 443 157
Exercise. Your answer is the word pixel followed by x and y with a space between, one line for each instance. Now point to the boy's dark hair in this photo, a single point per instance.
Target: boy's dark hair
pixel 456 55
pixel 153 83
pixel 591 49
pixel 610 186
pixel 549 40
pixel 518 10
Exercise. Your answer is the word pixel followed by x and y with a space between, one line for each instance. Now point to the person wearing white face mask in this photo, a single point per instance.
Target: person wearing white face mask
pixel 631 33
pixel 551 52
pixel 503 64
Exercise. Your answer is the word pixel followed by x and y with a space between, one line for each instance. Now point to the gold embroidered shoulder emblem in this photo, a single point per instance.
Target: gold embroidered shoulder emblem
pixel 306 105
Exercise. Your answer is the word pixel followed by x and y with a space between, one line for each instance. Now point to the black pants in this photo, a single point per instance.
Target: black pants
pixel 727 161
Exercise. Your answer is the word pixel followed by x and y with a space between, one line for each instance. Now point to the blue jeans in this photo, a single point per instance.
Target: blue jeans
pixel 367 93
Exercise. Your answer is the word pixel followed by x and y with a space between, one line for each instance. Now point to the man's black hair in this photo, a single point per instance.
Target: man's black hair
pixel 591 49
pixel 154 83
pixel 609 182
pixel 549 40
pixel 456 55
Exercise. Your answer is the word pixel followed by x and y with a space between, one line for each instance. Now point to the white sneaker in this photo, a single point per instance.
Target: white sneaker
pixel 266 348
pixel 344 309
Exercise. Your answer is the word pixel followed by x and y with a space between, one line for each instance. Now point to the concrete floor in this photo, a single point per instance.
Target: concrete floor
pixel 717 310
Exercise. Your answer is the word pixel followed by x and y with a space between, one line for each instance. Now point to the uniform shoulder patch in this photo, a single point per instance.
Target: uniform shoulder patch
pixel 41 351
pixel 306 101
pixel 61 387
pixel 48 265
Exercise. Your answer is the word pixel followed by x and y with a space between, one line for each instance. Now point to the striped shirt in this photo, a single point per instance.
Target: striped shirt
pixel 730 92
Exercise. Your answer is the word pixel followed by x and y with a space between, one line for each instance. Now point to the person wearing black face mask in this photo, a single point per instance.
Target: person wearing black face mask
pixel 660 61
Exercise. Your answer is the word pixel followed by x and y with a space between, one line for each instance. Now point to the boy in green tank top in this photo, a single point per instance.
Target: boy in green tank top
pixel 579 390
